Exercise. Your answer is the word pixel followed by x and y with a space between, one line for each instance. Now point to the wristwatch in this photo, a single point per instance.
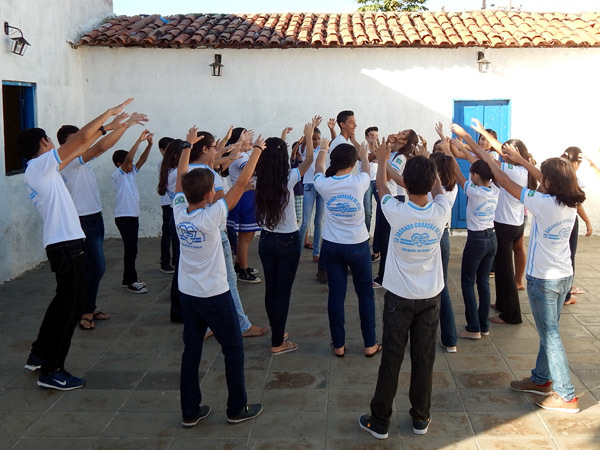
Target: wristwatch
pixel 184 144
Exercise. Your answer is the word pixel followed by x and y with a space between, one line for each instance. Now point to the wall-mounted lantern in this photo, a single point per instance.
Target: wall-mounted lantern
pixel 216 68
pixel 483 63
pixel 19 43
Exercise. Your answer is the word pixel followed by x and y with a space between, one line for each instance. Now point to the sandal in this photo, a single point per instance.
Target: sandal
pixel 370 355
pixel 99 315
pixel 571 300
pixel 255 331
pixel 576 290
pixel 340 348
pixel 90 323
pixel 308 246
pixel 288 346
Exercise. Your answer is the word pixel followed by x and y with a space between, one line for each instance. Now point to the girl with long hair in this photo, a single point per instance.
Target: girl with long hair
pixel 575 156
pixel 549 271
pixel 346 241
pixel 279 244
pixel 445 170
pixel 481 245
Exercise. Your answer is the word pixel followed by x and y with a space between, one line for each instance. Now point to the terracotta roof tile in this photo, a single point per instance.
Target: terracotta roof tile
pixel 489 28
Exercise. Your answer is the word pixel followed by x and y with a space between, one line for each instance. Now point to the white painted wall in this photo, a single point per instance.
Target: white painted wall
pixel 552 91
pixel 553 94
pixel 56 68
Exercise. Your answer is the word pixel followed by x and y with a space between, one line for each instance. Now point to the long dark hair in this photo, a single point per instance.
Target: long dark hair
pixel 411 142
pixel 271 193
pixel 520 145
pixel 169 162
pixel 445 169
pixel 342 157
pixel 197 148
pixel 560 181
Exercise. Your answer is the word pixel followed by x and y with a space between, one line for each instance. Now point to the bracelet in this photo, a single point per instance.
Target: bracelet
pixel 102 130
pixel 257 146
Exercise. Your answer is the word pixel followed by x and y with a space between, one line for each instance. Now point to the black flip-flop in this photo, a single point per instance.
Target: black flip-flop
pixel 370 355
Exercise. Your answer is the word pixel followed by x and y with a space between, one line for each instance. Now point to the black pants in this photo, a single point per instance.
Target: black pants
pixel 67 261
pixel 280 255
pixel 401 318
pixel 175 294
pixel 167 239
pixel 573 246
pixel 128 227
pixel 507 294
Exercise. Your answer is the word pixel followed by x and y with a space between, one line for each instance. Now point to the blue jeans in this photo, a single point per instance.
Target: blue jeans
pixel 477 260
pixel 232 282
pixel 368 204
pixel 547 298
pixel 219 314
pixel 280 255
pixel 311 196
pixel 93 227
pixel 447 323
pixel 337 259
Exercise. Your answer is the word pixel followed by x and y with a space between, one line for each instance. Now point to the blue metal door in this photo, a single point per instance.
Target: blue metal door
pixel 494 114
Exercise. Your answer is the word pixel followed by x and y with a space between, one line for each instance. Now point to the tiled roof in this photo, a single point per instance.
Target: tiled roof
pixel 489 28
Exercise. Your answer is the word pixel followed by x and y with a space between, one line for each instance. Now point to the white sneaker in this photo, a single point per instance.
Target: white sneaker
pixel 448 349
pixel 138 287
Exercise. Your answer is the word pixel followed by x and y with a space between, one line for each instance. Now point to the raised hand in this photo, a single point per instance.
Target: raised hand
pixel 458 130
pixel 192 135
pixel 316 121
pixel 512 153
pixel 309 128
pixel 117 122
pixel 136 119
pixel 324 144
pixel 445 146
pixel 150 138
pixel 285 132
pixel 423 143
pixel 439 129
pixel 259 142
pixel 119 108
pixel 250 136
pixel 144 135
pixel 383 149
pixel 477 126
pixel 228 135
pixel 331 123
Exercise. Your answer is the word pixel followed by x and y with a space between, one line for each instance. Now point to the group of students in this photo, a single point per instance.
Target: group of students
pixel 416 192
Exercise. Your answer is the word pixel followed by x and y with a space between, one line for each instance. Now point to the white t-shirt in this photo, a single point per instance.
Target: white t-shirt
pixel 344 212
pixel 202 271
pixel 81 182
pixel 127 200
pixel 310 173
pixel 481 206
pixel 510 211
pixel 413 268
pixel 288 222
pixel 171 183
pixel 451 196
pixel 235 168
pixel 218 184
pixel 549 254
pixel 398 162
pixel 164 199
pixel 339 139
pixel 50 196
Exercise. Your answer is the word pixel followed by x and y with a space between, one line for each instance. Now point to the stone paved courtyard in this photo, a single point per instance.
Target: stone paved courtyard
pixel 311 398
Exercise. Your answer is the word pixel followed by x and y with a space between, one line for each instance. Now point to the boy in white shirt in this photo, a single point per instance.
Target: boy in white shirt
pixel 205 297
pixel 414 281
pixel 64 242
pixel 127 208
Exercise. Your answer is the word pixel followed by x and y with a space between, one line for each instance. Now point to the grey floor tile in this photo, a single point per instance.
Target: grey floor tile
pixel 70 424
pixel 143 424
pixel 132 444
pixel 289 425
pixel 508 424
pixel 286 443
pixel 107 400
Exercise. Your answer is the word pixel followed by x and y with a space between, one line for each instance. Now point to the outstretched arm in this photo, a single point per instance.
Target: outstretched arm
pixel 497 145
pixel 320 162
pixel 309 129
pixel 383 150
pixel 459 175
pixel 127 165
pixel 75 147
pixel 184 159
pixel 144 156
pixel 331 126
pixel 233 195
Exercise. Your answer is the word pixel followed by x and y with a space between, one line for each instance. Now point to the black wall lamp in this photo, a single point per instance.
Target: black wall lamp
pixel 483 63
pixel 19 43
pixel 216 68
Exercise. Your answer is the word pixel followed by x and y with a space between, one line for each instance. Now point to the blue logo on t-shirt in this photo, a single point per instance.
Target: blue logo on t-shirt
pixel 418 239
pixel 189 235
pixel 343 205
pixel 486 209
pixel 562 234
